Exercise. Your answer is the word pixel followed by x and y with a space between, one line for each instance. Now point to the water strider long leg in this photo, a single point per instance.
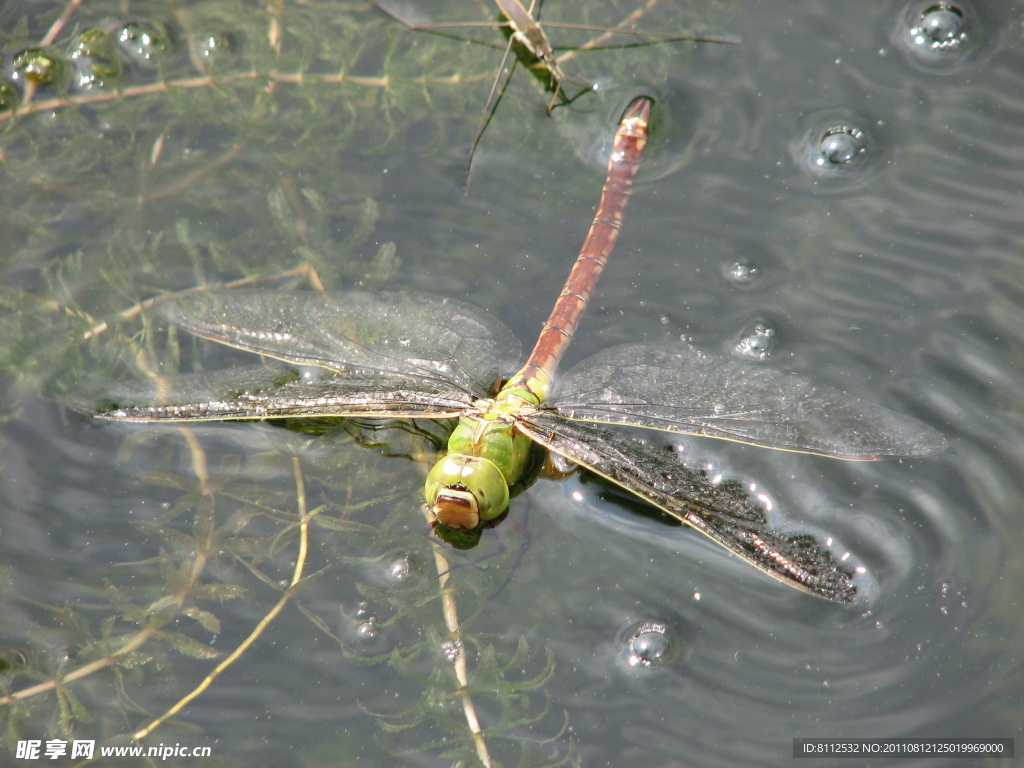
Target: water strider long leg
pixel 527 30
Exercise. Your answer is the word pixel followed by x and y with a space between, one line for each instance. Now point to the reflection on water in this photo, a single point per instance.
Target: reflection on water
pixel 840 197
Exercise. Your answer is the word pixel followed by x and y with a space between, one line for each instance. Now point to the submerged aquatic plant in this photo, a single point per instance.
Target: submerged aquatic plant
pixel 232 142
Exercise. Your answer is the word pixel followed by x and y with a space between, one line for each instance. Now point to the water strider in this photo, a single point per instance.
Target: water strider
pixel 417 356
pixel 525 29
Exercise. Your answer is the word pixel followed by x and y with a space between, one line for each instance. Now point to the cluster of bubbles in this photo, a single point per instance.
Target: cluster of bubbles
pixel 932 35
pixel 101 58
pixel 841 152
pixel 362 624
pixel 757 342
pixel 366 625
pixel 451 649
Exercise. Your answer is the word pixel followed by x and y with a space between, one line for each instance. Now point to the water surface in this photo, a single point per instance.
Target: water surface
pixel 839 197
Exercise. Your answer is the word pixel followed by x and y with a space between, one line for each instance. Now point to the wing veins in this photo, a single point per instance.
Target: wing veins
pixel 441 342
pixel 256 392
pixel 323 360
pixel 716 511
pixel 734 426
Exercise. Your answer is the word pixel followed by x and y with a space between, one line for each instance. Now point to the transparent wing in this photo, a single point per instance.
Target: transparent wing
pixel 721 511
pixel 676 388
pixel 277 391
pixel 417 336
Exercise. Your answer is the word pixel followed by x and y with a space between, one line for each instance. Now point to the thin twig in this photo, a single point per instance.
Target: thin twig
pixel 58 25
pixel 258 630
pixel 451 620
pixel 206 81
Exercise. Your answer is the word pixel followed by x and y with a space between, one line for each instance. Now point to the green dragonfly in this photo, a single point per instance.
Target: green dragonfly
pixel 417 356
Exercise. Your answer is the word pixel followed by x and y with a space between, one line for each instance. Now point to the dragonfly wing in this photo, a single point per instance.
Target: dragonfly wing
pixel 277 391
pixel 676 388
pixel 722 512
pixel 413 335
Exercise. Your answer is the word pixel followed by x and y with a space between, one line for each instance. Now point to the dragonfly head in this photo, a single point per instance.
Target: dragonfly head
pixel 464 491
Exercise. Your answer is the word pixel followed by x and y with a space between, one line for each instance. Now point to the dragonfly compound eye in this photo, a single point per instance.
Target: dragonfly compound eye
pixel 464 491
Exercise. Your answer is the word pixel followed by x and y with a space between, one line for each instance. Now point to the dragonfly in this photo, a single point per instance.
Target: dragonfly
pixel 399 355
pixel 526 32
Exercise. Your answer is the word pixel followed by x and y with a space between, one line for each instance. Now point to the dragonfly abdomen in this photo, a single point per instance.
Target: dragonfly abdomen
pixel 558 331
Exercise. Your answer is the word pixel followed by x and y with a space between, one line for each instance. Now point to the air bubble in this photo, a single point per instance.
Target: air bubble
pixel 938 36
pixel 41 67
pixel 94 58
pixel 649 645
pixel 841 145
pixel 212 49
pixel 742 273
pixel 399 569
pixel 9 97
pixel 940 28
pixel 837 149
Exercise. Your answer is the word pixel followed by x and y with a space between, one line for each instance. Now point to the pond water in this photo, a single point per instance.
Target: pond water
pixel 840 197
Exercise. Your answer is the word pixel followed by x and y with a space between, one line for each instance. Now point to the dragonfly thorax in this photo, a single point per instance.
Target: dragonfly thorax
pixel 528 388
